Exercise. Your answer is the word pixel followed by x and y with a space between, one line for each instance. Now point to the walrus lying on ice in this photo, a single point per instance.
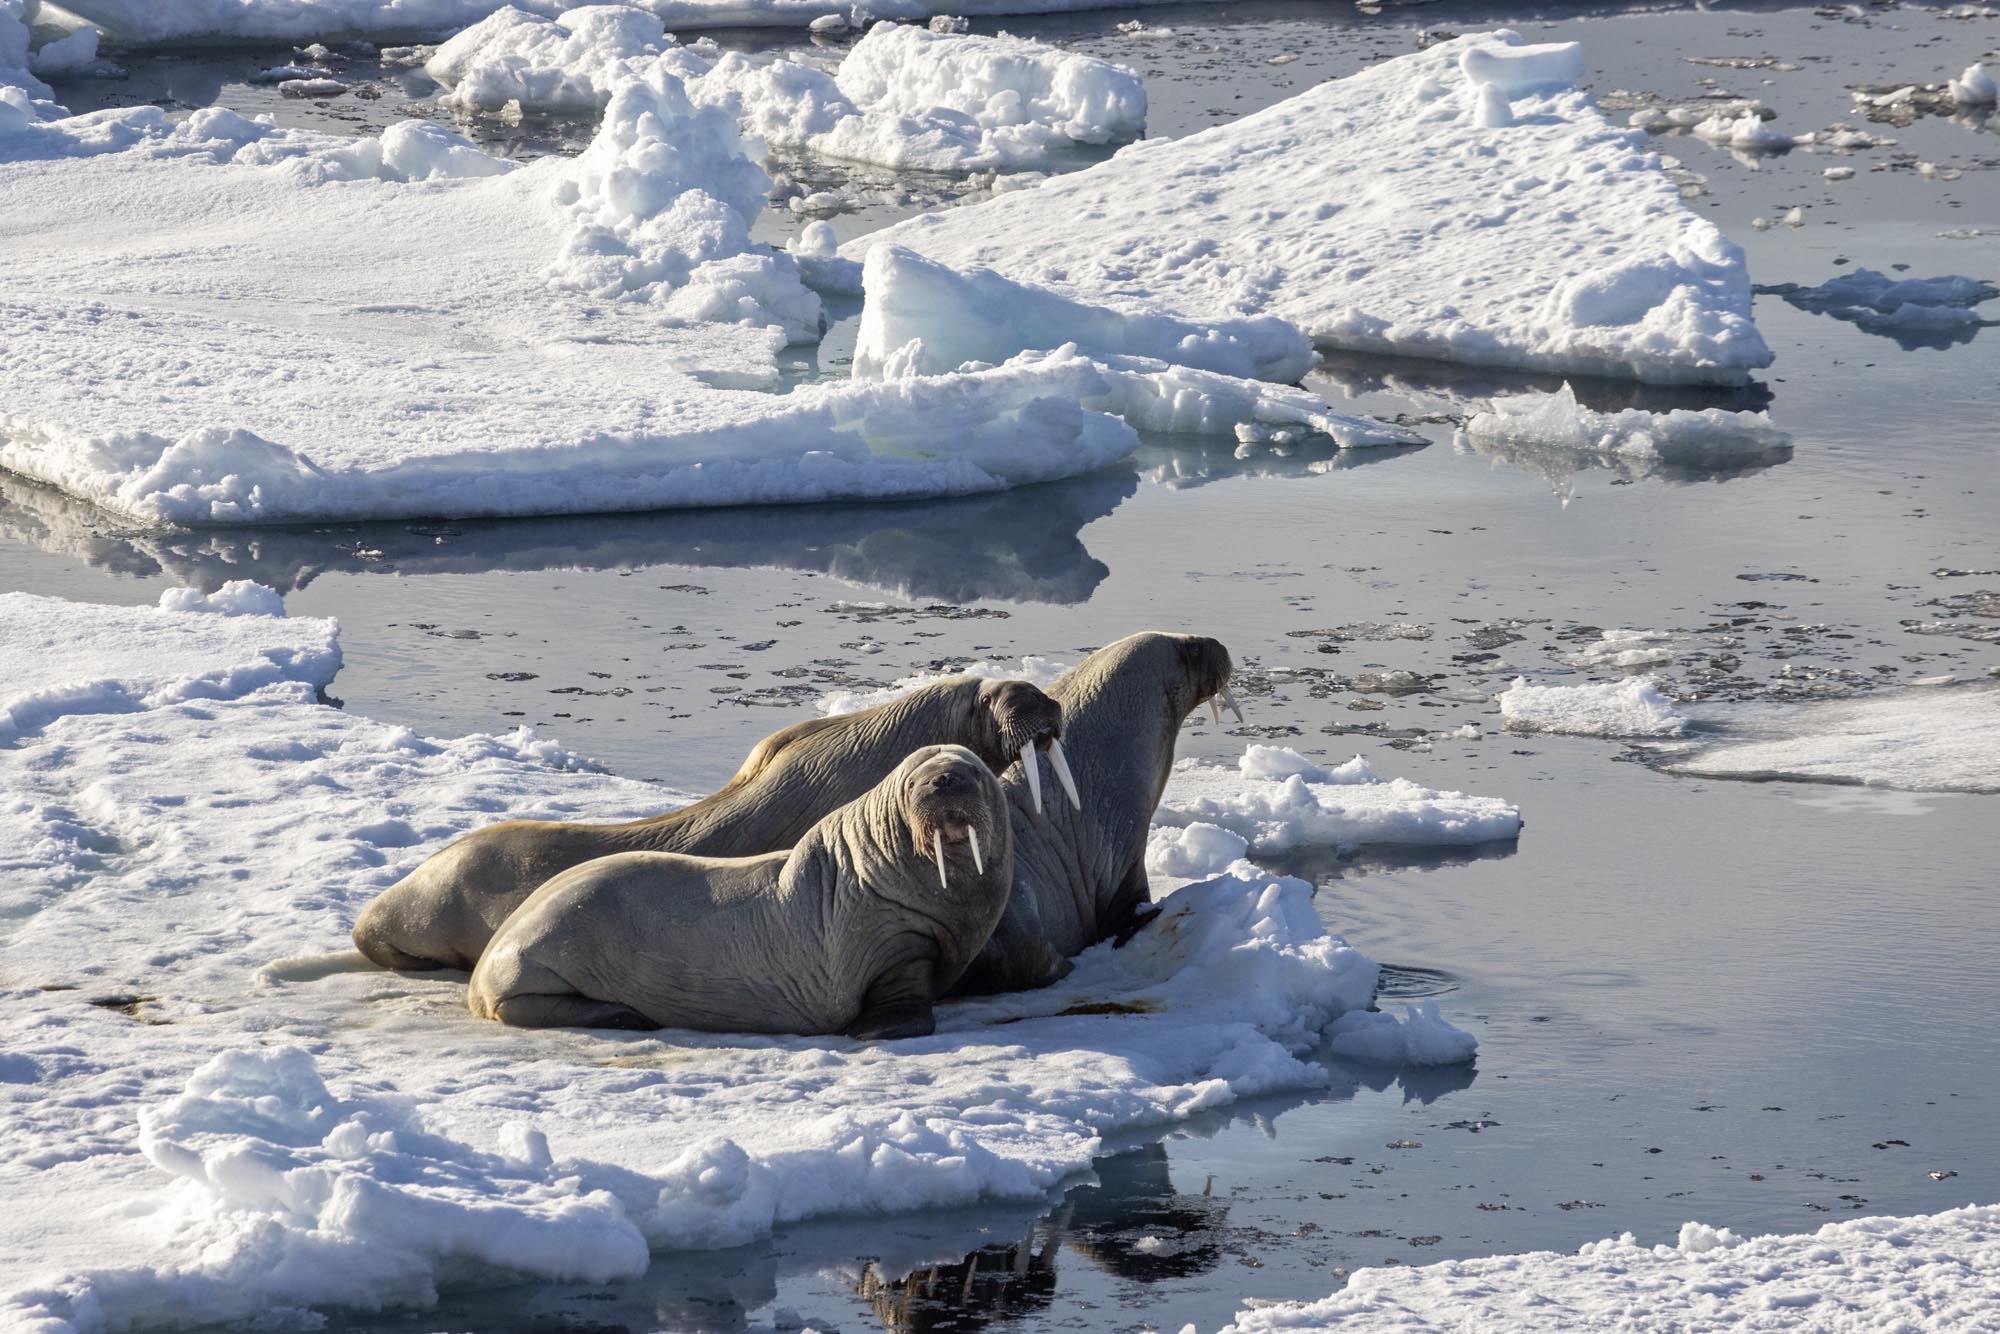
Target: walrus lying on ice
pixel 443 913
pixel 1080 872
pixel 859 929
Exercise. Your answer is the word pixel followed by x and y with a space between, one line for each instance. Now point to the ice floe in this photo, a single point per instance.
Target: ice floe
pixel 1976 87
pixel 1929 1272
pixel 1626 649
pixel 1682 438
pixel 1943 738
pixel 903 97
pixel 1421 1037
pixel 224 1114
pixel 1378 213
pixel 1630 708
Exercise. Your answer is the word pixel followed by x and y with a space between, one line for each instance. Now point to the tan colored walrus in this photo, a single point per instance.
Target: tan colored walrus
pixel 859 929
pixel 1080 872
pixel 442 914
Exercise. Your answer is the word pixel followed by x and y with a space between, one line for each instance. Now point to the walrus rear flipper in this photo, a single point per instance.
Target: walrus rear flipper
pixel 898 1004
pixel 568 1012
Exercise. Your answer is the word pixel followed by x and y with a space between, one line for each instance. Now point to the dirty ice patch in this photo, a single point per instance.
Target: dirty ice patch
pixel 1465 203
pixel 225 1112
pixel 433 340
pixel 70 657
pixel 1633 707
pixel 1923 739
pixel 1275 800
pixel 1928 1272
pixel 1682 438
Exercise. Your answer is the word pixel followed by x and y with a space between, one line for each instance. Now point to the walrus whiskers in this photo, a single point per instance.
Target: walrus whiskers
pixel 1033 769
pixel 1062 773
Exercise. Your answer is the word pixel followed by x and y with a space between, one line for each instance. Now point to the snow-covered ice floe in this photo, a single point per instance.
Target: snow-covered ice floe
pixel 221 1112
pixel 1466 202
pixel 1710 438
pixel 903 97
pixel 1923 739
pixel 1928 1272
pixel 1634 707
pixel 161 21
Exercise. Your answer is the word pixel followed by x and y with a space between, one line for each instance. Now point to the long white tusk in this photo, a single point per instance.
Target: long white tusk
pixel 978 862
pixel 1229 702
pixel 937 851
pixel 1214 711
pixel 1032 767
pixel 1067 778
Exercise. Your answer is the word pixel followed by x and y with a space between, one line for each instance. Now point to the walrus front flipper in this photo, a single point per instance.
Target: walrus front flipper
pixel 568 1012
pixel 898 1004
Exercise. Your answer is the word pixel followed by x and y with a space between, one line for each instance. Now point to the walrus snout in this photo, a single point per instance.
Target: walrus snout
pixel 949 798
pixel 1209 668
pixel 1028 720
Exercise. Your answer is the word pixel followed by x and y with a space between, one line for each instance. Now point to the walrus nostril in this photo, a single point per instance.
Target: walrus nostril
pixel 951 780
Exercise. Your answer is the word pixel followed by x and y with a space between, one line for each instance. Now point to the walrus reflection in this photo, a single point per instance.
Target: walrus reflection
pixel 1132 1224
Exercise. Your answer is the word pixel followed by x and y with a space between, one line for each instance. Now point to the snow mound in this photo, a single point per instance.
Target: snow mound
pixel 1633 707
pixel 1926 739
pixel 1680 438
pixel 1976 87
pixel 1378 212
pixel 1931 1272
pixel 68 658
pixel 1421 1037
pixel 447 336
pixel 567 63
pixel 1274 813
pixel 200 1167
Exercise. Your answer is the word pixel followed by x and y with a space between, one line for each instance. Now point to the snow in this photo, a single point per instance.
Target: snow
pixel 225 1114
pixel 1274 811
pixel 903 97
pixel 75 53
pixel 1747 132
pixel 1943 738
pixel 1632 707
pixel 1626 649
pixel 1976 87
pixel 1374 213
pixel 229 338
pixel 1421 1037
pixel 1711 437
pixel 1034 669
pixel 1929 1272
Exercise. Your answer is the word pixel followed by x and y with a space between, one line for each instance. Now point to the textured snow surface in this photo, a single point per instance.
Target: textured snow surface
pixel 903 97
pixel 1681 438
pixel 1276 799
pixel 170 20
pixel 1928 738
pixel 1394 211
pixel 225 1113
pixel 1633 707
pixel 220 321
pixel 1934 1272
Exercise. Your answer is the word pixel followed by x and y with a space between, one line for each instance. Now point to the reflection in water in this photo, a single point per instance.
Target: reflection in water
pixel 1021 545
pixel 1935 323
pixel 1453 390
pixel 1182 462
pixel 1325 865
pixel 1559 465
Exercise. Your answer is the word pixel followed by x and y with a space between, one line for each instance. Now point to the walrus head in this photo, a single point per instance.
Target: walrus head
pixel 1020 719
pixel 955 811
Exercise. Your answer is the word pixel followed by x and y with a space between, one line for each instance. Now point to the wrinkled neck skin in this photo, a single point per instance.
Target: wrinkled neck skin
pixel 797 776
pixel 875 890
pixel 1122 714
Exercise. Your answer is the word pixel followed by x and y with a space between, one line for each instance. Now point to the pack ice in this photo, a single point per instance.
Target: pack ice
pixel 223 1113
pixel 1930 1272
pixel 1466 202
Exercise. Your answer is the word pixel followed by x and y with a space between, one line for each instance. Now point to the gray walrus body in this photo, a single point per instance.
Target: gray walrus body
pixel 1080 872
pixel 443 913
pixel 851 931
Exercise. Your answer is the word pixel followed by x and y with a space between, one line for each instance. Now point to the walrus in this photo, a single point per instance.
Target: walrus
pixel 859 929
pixel 442 914
pixel 1080 872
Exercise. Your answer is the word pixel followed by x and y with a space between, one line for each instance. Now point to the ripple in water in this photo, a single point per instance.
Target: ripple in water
pixel 1400 982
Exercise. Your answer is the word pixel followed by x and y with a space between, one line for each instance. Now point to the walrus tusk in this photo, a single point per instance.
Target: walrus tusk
pixel 1229 702
pixel 1033 769
pixel 1214 711
pixel 937 851
pixel 978 862
pixel 1067 778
